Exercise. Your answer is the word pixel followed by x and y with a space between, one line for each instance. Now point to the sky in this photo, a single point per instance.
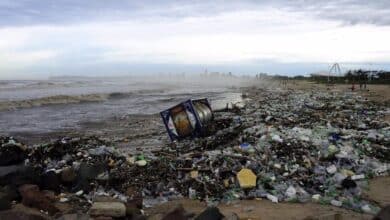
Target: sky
pixel 106 38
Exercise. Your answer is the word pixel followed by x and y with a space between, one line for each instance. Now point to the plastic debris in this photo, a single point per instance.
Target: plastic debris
pixel 331 169
pixel 316 197
pixel 194 174
pixel 336 203
pixel 246 178
pixel 272 198
pixel 358 177
pixel 141 163
pixel 291 192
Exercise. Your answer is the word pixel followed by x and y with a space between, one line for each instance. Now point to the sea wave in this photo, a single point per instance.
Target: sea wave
pixel 60 99
pixel 70 99
pixel 51 100
pixel 119 95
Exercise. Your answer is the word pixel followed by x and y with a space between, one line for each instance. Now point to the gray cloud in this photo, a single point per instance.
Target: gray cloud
pixel 349 12
pixel 31 12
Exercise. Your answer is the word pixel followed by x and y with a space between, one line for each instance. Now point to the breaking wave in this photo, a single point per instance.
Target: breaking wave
pixel 51 100
pixel 119 95
pixel 60 99
pixel 70 99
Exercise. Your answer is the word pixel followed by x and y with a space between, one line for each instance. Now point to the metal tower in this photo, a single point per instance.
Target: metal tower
pixel 334 69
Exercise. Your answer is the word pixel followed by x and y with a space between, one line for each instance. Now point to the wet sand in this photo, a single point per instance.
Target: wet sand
pixel 263 209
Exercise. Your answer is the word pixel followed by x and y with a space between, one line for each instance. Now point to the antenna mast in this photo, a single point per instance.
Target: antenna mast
pixel 334 69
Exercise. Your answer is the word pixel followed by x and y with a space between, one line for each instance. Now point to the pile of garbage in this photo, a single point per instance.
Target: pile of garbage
pixel 282 146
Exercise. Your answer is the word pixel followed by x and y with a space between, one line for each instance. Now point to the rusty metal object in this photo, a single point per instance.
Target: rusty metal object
pixel 187 118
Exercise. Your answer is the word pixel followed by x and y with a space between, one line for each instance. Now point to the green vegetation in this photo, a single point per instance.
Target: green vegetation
pixel 351 76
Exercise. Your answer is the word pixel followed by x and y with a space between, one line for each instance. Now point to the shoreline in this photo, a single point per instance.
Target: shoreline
pixel 130 137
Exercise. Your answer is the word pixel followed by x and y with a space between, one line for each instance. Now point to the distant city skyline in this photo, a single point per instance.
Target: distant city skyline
pixel 39 39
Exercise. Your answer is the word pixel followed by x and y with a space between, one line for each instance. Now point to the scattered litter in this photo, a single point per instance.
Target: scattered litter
pixel 287 146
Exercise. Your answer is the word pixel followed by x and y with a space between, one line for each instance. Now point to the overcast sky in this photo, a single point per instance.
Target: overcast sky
pixel 40 38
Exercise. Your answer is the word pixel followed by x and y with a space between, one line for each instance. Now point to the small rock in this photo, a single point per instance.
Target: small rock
pixel 86 173
pixel 90 171
pixel 10 192
pixel 28 187
pixel 132 192
pixel 132 211
pixel 12 153
pixel 68 175
pixel 49 194
pixel 5 202
pixel 51 181
pixel 18 175
pixel 384 214
pixel 348 183
pixel 20 212
pixel 31 196
pixel 177 213
pixel 5 170
pixel 136 202
pixel 112 209
pixel 133 208
pixel 212 213
pixel 231 216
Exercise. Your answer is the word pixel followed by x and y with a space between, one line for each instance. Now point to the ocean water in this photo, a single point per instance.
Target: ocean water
pixel 41 106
